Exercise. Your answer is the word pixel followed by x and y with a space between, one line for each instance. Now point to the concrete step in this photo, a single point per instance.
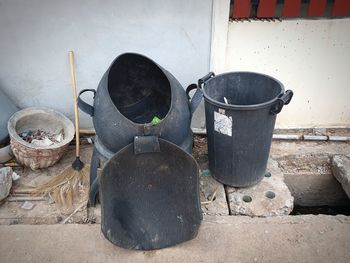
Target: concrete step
pixel 212 194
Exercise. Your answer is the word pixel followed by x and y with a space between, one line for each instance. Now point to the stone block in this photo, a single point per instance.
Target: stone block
pixel 5 182
pixel 341 171
pixel 270 197
pixel 212 195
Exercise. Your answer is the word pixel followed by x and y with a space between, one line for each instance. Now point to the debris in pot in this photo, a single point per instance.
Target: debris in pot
pixel 42 138
pixel 155 120
pixel 15 176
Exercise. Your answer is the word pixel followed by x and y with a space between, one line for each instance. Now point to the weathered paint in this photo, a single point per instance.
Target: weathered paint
pixel 311 57
pixel 291 8
pixel 241 8
pixel 341 8
pixel 317 7
pixel 37 35
pixel 267 8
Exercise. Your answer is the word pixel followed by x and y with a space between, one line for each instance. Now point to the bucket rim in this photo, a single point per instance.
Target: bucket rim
pixel 242 107
pixel 105 78
pixel 32 111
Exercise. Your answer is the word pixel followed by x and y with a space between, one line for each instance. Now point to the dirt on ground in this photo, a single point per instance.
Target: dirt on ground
pixel 300 161
pixel 220 239
pixel 45 211
pixel 200 151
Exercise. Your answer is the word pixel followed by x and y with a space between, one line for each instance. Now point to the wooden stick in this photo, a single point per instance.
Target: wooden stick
pixel 212 197
pixel 87 131
pixel 76 114
pixel 24 198
pixel 23 190
pixel 74 212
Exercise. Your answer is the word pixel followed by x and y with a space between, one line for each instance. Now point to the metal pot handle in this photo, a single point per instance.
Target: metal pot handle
pixel 85 107
pixel 198 95
pixel 284 99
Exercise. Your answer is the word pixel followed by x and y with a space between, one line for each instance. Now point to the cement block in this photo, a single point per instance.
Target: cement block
pixel 309 178
pixel 316 190
pixel 43 213
pixel 341 171
pixel 270 197
pixel 209 187
pixel 5 182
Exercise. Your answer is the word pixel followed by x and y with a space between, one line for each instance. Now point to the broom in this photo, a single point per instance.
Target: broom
pixel 73 182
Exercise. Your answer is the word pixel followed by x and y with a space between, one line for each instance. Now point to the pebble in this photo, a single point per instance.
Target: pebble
pixel 27 205
pixel 206 172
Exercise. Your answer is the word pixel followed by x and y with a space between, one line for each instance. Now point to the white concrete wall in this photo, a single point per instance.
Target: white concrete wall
pixel 36 35
pixel 311 57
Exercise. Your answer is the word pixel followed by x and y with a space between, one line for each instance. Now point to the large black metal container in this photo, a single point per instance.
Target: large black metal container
pixel 131 93
pixel 240 110
pixel 149 186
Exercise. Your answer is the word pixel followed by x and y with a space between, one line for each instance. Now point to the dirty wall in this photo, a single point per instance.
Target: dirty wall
pixel 311 57
pixel 35 37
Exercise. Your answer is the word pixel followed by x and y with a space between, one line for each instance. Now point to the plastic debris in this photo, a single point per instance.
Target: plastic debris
pixel 5 182
pixel 155 120
pixel 59 137
pixel 41 138
pixel 42 143
pixel 15 176
pixel 27 205
pixel 206 172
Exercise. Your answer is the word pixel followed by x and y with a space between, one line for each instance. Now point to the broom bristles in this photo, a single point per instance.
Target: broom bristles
pixel 68 186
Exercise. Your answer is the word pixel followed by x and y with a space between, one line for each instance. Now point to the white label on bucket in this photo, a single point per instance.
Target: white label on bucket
pixel 222 123
pixel 221 111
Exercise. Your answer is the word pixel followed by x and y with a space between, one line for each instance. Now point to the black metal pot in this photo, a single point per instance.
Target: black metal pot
pixel 132 96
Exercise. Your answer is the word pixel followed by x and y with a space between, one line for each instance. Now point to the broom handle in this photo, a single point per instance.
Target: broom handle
pixel 76 114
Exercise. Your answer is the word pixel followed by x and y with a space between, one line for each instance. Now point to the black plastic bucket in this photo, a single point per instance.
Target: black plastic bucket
pixel 240 110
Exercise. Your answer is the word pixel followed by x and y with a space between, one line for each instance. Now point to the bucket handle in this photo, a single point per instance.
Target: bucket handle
pixel 204 79
pixel 85 107
pixel 198 95
pixel 146 144
pixel 282 100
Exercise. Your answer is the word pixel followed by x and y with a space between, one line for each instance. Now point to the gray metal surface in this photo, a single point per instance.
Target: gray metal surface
pixel 7 108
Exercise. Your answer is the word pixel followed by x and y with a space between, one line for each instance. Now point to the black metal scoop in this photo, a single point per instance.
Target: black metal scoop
pixel 150 195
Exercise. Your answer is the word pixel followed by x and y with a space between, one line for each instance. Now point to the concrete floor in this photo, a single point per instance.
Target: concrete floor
pixel 220 239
